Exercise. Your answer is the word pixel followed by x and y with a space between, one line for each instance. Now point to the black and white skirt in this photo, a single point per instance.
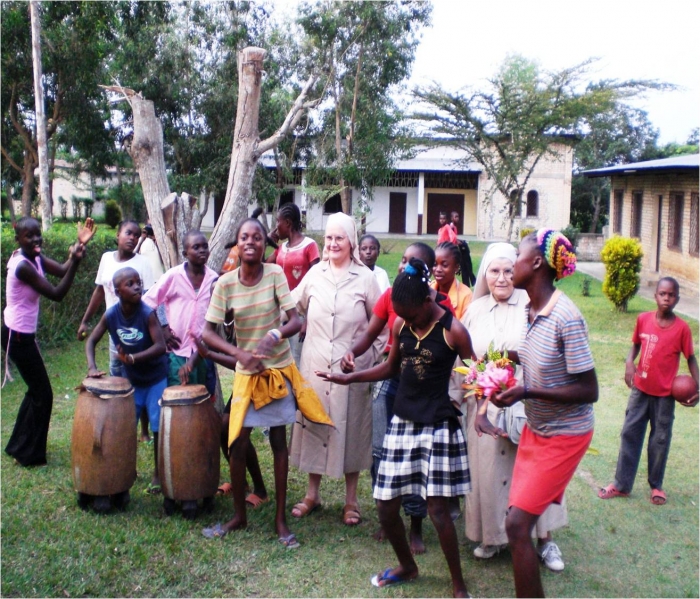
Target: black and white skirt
pixel 429 460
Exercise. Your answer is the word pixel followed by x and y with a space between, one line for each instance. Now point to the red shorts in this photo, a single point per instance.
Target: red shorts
pixel 543 468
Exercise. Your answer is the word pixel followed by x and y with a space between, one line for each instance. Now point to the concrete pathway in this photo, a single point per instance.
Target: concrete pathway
pixel 687 306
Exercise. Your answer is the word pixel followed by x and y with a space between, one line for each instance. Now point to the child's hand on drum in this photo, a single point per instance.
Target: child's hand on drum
pixel 95 373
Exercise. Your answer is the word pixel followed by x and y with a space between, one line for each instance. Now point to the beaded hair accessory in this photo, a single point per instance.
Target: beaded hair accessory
pixel 557 251
pixel 412 271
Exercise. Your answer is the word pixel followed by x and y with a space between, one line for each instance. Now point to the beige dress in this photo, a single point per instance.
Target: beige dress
pixel 491 460
pixel 336 315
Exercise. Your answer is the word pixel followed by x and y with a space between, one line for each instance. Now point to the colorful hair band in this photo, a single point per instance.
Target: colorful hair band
pixel 557 251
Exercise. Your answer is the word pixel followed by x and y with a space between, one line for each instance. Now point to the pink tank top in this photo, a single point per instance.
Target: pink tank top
pixel 22 311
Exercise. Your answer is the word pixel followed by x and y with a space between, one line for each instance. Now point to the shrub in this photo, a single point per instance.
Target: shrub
pixel 572 234
pixel 622 257
pixel 525 231
pixel 113 214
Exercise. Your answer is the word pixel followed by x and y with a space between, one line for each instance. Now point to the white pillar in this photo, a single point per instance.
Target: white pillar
pixel 419 199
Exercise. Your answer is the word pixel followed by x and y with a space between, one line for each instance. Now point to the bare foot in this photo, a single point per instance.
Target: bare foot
pixel 461 592
pixel 145 438
pixel 379 536
pixel 416 542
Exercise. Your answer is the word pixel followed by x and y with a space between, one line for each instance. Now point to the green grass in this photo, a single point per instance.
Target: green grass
pixel 622 547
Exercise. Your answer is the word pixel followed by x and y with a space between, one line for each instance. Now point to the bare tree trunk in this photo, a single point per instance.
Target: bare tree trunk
pixel 27 184
pixel 147 153
pixel 44 191
pixel 247 148
pixel 596 212
pixel 11 205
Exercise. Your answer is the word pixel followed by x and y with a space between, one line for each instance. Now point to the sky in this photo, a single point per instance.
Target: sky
pixel 638 39
pixel 633 40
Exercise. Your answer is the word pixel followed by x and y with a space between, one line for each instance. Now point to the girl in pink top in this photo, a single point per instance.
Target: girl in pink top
pixel 26 283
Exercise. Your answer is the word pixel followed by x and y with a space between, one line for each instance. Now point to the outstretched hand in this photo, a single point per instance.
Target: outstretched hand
pixel 333 377
pixel 86 231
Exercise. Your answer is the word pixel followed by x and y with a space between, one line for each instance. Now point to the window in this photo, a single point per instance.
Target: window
pixel 533 201
pixel 287 197
pixel 675 220
pixel 617 211
pixel 636 228
pixel 694 224
pixel 333 205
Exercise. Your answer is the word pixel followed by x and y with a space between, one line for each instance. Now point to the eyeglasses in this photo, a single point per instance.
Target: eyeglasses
pixel 495 273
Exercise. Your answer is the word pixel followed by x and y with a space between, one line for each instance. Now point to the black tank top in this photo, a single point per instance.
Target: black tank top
pixel 426 366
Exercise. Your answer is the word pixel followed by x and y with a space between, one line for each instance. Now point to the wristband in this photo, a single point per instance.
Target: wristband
pixel 275 334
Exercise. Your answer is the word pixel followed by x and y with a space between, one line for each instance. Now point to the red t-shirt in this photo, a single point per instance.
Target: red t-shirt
pixel 660 353
pixel 384 309
pixel 447 233
pixel 296 261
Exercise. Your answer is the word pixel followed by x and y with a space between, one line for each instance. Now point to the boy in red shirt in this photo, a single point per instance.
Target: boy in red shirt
pixel 661 337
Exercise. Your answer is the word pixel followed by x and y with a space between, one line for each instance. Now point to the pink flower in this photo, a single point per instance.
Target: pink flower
pixel 495 379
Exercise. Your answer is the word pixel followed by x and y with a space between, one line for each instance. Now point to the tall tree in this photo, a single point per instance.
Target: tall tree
pixel 76 39
pixel 365 50
pixel 512 124
pixel 621 135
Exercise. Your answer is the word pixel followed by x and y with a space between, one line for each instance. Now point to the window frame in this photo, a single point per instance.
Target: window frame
pixel 637 211
pixel 675 221
pixel 618 209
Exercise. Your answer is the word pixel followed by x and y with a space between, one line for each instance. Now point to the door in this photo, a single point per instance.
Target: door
pixel 444 202
pixel 397 212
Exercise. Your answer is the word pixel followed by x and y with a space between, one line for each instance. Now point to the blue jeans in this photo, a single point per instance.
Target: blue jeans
pixel 643 409
pixel 382 412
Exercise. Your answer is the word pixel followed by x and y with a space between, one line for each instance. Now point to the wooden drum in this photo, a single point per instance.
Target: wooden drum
pixel 103 441
pixel 188 444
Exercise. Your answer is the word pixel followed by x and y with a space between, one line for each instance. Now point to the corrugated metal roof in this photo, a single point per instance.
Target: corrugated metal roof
pixel 674 163
pixel 427 158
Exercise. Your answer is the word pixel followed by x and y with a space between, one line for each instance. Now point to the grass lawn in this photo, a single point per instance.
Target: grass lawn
pixel 616 548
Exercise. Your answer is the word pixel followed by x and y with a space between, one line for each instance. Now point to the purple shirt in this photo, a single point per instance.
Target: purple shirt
pixel 185 307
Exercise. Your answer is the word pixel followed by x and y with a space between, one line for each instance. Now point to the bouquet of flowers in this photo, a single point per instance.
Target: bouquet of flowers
pixel 488 375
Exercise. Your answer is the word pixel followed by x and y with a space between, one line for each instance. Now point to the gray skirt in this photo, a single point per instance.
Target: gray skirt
pixel 279 412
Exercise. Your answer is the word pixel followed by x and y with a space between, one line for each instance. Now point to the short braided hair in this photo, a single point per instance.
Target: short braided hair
pixel 454 249
pixel 290 211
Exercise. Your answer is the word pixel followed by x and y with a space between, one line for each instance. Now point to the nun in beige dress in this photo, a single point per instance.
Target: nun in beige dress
pixel 496 314
pixel 336 297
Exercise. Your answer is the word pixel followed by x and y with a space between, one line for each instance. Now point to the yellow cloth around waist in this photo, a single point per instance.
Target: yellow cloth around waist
pixel 266 387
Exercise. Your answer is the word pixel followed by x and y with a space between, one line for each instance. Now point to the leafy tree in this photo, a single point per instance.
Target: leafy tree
pixel 618 136
pixel 365 50
pixel 77 38
pixel 512 124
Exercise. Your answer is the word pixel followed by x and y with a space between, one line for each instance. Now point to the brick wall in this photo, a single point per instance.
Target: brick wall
pixel 589 246
pixel 656 189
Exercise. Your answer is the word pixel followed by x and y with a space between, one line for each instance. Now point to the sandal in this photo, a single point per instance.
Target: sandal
pixel 215 532
pixel 387 579
pixel 255 501
pixel 658 497
pixel 610 491
pixel 152 489
pixel 289 542
pixel 225 489
pixel 350 513
pixel 305 507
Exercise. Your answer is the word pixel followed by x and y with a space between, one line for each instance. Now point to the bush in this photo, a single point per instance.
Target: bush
pixel 113 214
pixel 525 231
pixel 59 321
pixel 572 234
pixel 622 257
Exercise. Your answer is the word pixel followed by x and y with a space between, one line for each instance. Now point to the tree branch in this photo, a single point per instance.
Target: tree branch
pixel 292 119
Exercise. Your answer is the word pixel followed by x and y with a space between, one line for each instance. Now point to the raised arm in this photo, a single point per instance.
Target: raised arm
pixel 29 275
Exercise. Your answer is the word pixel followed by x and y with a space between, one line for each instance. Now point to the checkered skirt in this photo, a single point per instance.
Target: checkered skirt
pixel 429 460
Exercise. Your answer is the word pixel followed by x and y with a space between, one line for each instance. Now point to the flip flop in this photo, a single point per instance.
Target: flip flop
pixel 255 501
pixel 215 532
pixel 152 489
pixel 387 579
pixel 350 512
pixel 610 491
pixel 658 497
pixel 225 489
pixel 305 507
pixel 289 542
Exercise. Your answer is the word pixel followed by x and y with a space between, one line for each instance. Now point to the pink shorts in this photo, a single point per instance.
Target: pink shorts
pixel 543 468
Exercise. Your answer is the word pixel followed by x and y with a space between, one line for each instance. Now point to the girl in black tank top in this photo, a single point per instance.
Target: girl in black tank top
pixel 424 449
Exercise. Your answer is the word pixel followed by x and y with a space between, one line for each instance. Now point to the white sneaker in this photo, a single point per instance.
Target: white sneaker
pixel 551 556
pixel 488 551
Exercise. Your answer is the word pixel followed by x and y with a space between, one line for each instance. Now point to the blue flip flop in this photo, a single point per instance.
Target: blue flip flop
pixel 386 579
pixel 215 532
pixel 289 542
